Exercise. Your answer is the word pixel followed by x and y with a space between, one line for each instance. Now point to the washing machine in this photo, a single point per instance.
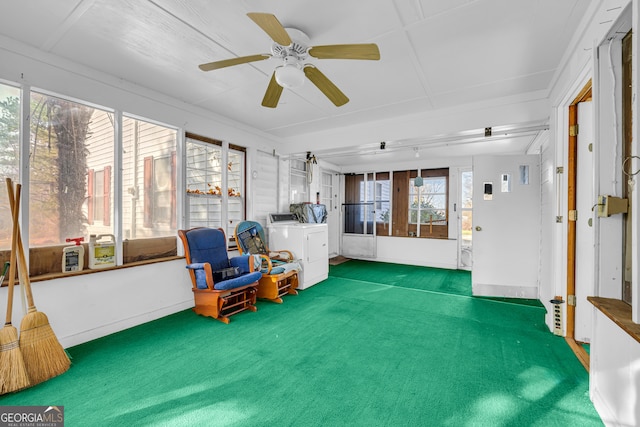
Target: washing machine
pixel 309 243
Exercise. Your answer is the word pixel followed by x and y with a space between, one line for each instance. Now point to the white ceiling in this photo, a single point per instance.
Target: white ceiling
pixel 436 56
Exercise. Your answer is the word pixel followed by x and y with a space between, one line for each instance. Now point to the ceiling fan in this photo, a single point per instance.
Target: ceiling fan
pixel 292 47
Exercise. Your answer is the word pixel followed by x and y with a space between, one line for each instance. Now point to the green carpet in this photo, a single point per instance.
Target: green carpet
pixel 408 276
pixel 346 352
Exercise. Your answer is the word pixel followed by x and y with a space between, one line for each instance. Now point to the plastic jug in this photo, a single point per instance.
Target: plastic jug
pixel 102 251
pixel 73 256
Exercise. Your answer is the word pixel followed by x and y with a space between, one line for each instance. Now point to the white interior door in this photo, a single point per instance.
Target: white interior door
pixel 329 197
pixel 506 226
pixel 585 240
pixel 465 219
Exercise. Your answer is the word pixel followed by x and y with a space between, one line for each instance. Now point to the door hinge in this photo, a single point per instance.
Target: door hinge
pixel 573 130
pixel 571 300
pixel 573 215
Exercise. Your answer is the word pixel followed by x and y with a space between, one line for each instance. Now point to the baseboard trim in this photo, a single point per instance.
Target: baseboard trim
pixel 580 352
pixel 526 292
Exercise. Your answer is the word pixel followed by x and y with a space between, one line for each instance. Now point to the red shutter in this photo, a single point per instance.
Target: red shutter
pixel 90 196
pixel 148 192
pixel 107 195
pixel 174 223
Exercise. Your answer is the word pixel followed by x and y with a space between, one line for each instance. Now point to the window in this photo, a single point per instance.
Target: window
pixel 401 208
pixel 421 211
pixel 72 148
pixel 358 204
pixel 327 191
pixel 9 154
pixel 204 184
pixel 298 181
pixel 68 139
pixel 466 210
pixel 427 201
pixel 235 188
pixel 209 169
pixel 382 203
pixel 148 179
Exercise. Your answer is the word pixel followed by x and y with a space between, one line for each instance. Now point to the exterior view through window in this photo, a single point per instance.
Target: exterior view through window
pixel 67 139
pixel 9 154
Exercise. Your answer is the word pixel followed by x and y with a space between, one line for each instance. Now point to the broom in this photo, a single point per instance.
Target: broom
pixel 13 374
pixel 44 356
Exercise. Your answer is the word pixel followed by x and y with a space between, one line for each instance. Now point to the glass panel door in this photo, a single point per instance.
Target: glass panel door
pixel 465 258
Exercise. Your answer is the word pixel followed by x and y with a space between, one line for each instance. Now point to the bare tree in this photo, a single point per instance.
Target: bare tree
pixel 65 125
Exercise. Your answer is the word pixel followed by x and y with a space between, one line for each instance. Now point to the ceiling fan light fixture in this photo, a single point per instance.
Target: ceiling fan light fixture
pixel 290 76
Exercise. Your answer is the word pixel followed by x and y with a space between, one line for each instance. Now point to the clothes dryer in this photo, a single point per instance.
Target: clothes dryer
pixel 308 242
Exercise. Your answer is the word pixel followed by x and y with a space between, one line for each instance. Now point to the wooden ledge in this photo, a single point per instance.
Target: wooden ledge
pixel 618 311
pixel 60 275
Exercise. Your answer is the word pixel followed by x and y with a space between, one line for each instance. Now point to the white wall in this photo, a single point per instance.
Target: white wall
pixel 615 374
pixel 615 356
pixel 86 307
pixel 439 253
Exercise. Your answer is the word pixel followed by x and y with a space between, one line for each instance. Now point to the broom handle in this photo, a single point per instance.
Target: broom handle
pixel 23 274
pixel 12 257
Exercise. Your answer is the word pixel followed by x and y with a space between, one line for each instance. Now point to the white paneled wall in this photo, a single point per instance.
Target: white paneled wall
pixel 264 176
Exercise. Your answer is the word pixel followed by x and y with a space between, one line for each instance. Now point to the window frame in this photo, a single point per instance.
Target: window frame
pixel 296 173
pixel 400 206
pixel 217 196
pixel 419 195
pixel 45 260
pixel 399 181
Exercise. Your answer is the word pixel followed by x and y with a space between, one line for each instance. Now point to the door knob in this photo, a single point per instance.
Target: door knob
pixel 478 228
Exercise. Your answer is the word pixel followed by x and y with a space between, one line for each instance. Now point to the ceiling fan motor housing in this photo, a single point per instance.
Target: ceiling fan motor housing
pixel 298 48
pixel 290 75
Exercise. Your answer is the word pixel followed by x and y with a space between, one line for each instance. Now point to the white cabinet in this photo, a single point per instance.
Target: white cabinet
pixel 309 243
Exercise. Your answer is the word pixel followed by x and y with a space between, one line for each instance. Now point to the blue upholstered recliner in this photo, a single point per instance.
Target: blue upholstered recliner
pixel 222 286
pixel 279 268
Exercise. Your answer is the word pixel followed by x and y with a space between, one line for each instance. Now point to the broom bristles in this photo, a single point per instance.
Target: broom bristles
pixel 43 354
pixel 13 374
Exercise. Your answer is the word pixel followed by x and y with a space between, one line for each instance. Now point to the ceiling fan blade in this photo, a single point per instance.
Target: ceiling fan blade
pixel 270 25
pixel 325 85
pixel 346 51
pixel 272 95
pixel 234 61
